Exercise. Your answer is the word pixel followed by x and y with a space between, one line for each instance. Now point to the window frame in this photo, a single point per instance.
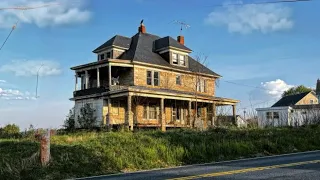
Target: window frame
pixel 152 78
pixel 312 101
pixel 201 85
pixel 178 79
pixel 101 55
pixel 175 59
pixel 147 111
pixel 275 115
pixel 269 115
pixel 184 60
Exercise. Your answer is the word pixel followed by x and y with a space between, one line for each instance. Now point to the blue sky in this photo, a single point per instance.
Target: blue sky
pixel 272 47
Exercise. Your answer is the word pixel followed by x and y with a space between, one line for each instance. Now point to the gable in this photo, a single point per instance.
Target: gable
pixel 307 99
pixel 291 100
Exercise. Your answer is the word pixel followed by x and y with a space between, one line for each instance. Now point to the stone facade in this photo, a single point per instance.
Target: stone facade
pixel 168 80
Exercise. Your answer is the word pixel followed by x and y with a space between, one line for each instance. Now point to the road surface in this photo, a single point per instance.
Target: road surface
pixel 291 166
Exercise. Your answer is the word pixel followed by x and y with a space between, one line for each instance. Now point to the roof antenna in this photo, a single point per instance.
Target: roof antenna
pixel 182 25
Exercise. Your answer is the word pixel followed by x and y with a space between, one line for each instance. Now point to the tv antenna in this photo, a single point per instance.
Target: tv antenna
pixel 182 25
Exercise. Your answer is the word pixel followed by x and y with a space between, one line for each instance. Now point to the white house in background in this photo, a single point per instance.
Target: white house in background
pixel 294 110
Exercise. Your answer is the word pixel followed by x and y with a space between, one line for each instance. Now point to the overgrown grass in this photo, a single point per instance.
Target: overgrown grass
pixel 87 154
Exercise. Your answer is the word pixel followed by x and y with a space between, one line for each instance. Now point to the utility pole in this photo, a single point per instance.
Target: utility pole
pixel 38 80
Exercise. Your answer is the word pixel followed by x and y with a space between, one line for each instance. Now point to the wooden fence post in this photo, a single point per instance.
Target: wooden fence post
pixel 45 148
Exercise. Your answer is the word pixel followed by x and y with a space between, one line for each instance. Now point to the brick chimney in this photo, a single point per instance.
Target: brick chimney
pixel 180 39
pixel 142 28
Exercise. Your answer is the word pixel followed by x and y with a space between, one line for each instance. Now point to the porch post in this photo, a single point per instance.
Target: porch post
pixel 76 82
pixel 213 114
pixel 98 77
pixel 109 76
pixel 162 115
pixel 129 116
pixel 205 122
pixel 189 112
pixel 109 113
pixel 87 80
pixel 234 114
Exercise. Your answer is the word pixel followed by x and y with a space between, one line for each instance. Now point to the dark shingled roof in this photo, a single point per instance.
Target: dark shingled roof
pixel 116 40
pixel 169 41
pixel 290 100
pixel 142 50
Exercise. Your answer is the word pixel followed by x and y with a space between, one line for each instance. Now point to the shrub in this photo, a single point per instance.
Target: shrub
pixel 87 118
pixel 69 123
pixel 10 131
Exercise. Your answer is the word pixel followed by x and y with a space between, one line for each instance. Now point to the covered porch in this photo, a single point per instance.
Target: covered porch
pixel 139 109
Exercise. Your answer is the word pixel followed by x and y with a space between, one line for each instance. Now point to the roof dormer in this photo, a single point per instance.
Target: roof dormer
pixel 113 48
pixel 174 51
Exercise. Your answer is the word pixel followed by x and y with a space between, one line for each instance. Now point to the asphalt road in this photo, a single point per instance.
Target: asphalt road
pixel 291 166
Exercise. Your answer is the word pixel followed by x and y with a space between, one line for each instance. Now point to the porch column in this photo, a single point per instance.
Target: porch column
pixel 87 79
pixel 98 77
pixel 189 112
pixel 205 121
pixel 109 113
pixel 76 82
pixel 129 115
pixel 213 114
pixel 109 76
pixel 162 115
pixel 234 114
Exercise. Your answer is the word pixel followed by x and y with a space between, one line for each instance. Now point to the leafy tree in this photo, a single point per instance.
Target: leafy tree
pixel 11 129
pixel 87 118
pixel 296 90
pixel 69 123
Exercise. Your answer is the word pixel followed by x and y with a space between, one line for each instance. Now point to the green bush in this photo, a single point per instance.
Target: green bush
pixel 10 131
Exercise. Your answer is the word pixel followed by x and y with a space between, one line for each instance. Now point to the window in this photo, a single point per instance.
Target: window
pixel 311 101
pixel 145 111
pixel 101 56
pixel 115 107
pixel 275 115
pixel 108 54
pixel 150 111
pixel 174 58
pixel 178 80
pixel 182 60
pixel 153 78
pixel 269 115
pixel 149 77
pixel 304 112
pixel 177 112
pixel 201 85
pixel 156 78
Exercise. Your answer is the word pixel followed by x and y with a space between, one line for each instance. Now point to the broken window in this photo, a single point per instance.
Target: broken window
pixel 275 115
pixel 156 79
pixel 149 77
pixel 269 115
pixel 182 60
pixel 174 58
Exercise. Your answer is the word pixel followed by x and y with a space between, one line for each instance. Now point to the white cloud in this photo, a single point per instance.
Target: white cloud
pixel 3 81
pixel 31 68
pixel 275 88
pixel 13 94
pixel 61 13
pixel 252 17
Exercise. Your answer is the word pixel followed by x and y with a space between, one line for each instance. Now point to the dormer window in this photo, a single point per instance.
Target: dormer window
pixel 108 54
pixel 174 58
pixel 101 57
pixel 182 60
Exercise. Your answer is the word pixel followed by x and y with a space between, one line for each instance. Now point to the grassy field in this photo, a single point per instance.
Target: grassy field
pixel 87 154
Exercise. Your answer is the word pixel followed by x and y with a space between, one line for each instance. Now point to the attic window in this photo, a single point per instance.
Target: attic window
pixel 182 60
pixel 174 58
pixel 101 56
pixel 311 101
pixel 108 54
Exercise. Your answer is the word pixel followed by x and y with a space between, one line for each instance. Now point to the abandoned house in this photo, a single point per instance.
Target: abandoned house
pixel 148 81
pixel 293 110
